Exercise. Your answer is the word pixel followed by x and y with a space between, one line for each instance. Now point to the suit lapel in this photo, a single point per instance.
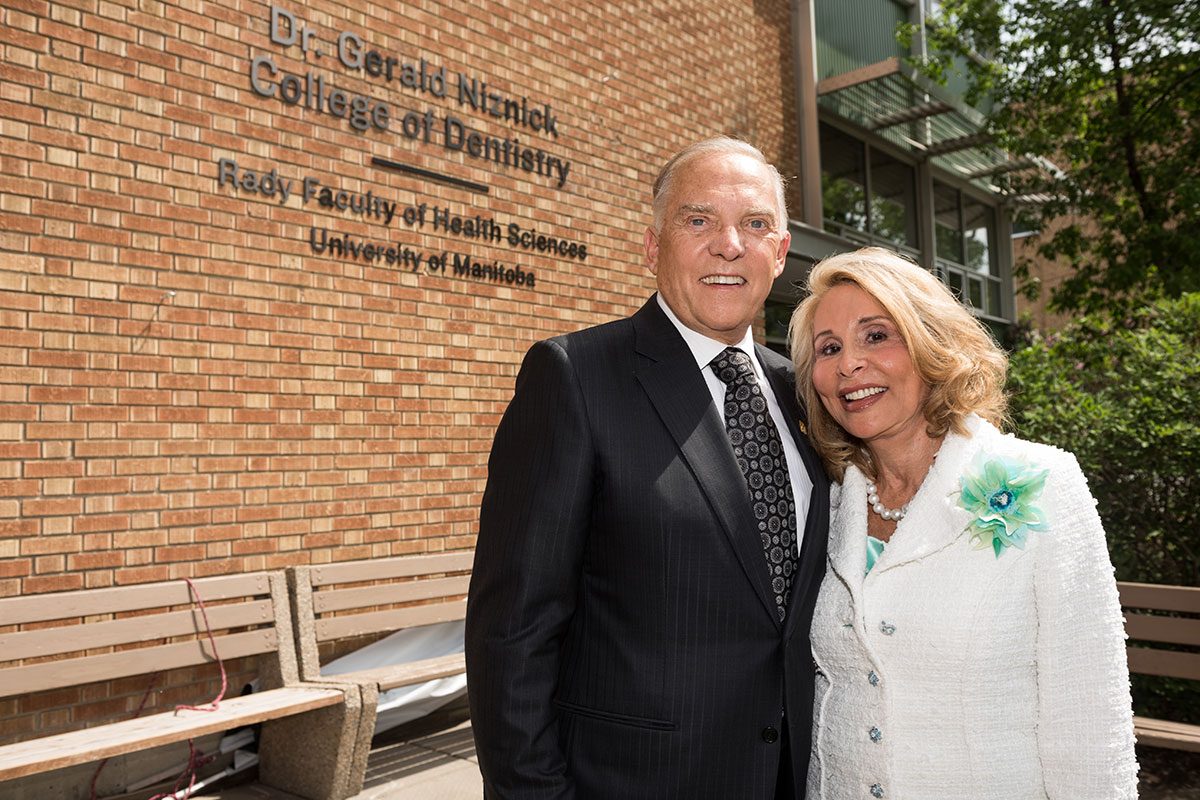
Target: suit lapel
pixel 848 534
pixel 667 372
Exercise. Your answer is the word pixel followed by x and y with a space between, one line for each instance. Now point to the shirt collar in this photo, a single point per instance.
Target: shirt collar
pixel 704 349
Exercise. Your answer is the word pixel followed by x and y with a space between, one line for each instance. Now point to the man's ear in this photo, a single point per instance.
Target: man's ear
pixel 650 243
pixel 785 242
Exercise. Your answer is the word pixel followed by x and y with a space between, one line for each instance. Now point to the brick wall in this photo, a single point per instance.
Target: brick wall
pixel 186 388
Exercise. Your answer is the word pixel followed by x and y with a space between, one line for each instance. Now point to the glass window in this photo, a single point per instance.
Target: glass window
pixel 778 316
pixel 979 233
pixel 947 223
pixel 965 230
pixel 967 254
pixel 993 300
pixel 955 282
pixel 893 199
pixel 843 180
pixel 975 295
pixel 778 313
pixel 867 191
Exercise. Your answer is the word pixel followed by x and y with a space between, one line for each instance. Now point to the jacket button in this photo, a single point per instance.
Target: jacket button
pixel 770 735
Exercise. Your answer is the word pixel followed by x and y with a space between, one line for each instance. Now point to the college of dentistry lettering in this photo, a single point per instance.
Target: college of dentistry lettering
pixel 315 91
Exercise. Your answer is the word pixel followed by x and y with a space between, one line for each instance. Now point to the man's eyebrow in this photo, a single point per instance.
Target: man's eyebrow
pixel 762 212
pixel 695 208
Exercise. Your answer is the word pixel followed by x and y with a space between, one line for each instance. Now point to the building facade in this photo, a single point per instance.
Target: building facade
pixel 889 158
pixel 268 270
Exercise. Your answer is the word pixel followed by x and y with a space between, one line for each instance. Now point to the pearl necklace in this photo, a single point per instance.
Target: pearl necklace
pixel 873 503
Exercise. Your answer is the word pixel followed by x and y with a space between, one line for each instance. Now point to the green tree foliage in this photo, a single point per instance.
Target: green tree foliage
pixel 1108 92
pixel 1123 394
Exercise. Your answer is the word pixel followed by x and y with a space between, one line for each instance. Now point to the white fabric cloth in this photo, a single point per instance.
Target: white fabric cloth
pixel 406 703
pixel 979 676
pixel 704 350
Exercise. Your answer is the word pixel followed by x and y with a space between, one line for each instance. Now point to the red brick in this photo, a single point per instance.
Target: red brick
pixel 53 583
pixel 15 567
pixel 132 575
pixel 57 507
pixel 19 488
pixel 283 400
pixel 102 485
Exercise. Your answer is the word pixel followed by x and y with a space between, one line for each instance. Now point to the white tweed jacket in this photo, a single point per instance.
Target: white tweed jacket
pixel 952 673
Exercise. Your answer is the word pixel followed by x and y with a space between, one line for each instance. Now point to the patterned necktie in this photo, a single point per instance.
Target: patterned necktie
pixel 759 453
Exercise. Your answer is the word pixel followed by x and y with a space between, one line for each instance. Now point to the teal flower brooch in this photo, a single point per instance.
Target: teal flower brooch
pixel 1001 494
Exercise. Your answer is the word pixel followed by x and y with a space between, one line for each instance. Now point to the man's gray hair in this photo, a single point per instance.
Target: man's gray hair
pixel 717 144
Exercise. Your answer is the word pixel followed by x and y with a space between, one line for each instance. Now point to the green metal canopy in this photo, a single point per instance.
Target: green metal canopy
pixel 909 110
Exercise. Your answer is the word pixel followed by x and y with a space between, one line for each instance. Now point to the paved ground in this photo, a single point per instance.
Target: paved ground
pixel 434 759
pixel 438 766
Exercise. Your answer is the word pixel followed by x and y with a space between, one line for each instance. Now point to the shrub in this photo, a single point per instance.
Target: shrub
pixel 1124 396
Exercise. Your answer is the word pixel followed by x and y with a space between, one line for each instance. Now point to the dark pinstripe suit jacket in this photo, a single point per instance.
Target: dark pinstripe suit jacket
pixel 621 638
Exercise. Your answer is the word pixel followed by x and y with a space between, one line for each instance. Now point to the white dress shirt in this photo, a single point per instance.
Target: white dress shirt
pixel 704 350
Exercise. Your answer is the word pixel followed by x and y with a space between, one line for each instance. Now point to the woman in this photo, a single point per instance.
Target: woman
pixel 968 636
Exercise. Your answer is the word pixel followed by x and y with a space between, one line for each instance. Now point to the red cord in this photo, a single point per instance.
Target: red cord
pixel 216 703
pixel 195 760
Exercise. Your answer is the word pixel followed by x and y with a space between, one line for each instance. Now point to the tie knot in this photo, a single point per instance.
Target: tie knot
pixel 733 365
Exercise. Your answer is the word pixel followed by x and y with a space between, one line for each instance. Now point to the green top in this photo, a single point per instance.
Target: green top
pixel 874 551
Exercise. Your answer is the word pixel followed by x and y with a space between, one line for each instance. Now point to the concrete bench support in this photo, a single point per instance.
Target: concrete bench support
pixel 375 597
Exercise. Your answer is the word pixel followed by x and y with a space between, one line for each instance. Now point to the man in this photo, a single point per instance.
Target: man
pixel 638 618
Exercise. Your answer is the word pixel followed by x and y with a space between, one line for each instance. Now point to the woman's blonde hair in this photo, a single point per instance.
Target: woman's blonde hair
pixel 952 351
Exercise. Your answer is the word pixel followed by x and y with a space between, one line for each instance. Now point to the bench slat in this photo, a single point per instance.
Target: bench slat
pixel 397 675
pixel 78 671
pixel 74 638
pixel 380 569
pixel 1164 733
pixel 79 747
pixel 90 602
pixel 1160 598
pixel 378 621
pixel 1167 663
pixel 368 596
pixel 1175 630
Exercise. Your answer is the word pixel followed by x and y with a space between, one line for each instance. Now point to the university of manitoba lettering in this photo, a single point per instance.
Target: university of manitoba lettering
pixel 454 265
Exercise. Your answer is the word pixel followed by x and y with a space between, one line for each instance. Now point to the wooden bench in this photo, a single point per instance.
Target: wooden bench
pixel 1137 599
pixel 355 599
pixel 70 639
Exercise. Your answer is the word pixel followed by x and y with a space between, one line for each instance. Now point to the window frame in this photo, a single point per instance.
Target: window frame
pixel 869 237
pixel 982 292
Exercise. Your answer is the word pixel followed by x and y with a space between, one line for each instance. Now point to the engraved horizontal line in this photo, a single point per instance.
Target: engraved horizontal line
pixel 425 173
